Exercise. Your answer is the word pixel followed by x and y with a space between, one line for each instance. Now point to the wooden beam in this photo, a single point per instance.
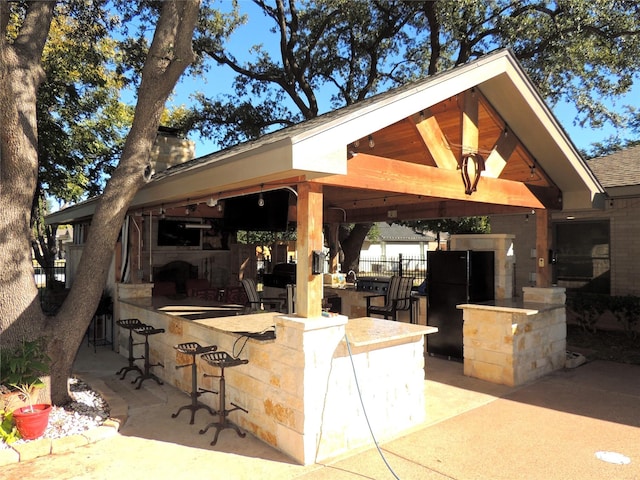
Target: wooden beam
pixel 376 173
pixel 309 222
pixel 431 210
pixel 543 245
pixel 334 251
pixel 497 159
pixel 435 140
pixel 469 122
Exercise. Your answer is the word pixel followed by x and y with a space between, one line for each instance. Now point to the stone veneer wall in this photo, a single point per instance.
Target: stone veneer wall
pixel 514 345
pixel 504 261
pixel 299 389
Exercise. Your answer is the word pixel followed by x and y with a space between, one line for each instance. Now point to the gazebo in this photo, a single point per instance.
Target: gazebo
pixel 475 140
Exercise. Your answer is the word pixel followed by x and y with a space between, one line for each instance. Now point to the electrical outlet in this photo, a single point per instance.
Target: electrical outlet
pixel 392 214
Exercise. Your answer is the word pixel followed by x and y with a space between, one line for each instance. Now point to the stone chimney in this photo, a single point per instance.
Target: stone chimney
pixel 171 148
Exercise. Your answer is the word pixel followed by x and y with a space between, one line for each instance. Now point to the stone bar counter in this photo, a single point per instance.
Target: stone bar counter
pixel 299 385
pixel 514 341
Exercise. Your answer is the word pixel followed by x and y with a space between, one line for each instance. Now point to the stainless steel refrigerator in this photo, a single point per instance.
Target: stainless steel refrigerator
pixel 455 277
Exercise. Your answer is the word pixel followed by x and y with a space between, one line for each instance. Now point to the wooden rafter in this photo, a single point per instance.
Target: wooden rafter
pixel 435 140
pixel 497 159
pixel 469 122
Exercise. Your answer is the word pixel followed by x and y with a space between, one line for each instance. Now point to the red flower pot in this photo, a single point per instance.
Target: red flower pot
pixel 32 424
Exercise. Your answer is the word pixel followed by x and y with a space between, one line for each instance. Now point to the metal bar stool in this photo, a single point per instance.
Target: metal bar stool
pixel 147 330
pixel 193 349
pixel 130 324
pixel 223 360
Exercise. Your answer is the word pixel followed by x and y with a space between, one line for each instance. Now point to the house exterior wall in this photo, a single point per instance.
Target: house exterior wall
pixel 624 224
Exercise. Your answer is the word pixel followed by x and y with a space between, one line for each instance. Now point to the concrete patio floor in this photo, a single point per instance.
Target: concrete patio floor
pixel 550 429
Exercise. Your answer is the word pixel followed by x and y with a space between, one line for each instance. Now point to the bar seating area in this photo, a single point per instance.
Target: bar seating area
pixel 222 360
pixel 397 298
pixel 146 331
pixel 192 349
pixel 129 324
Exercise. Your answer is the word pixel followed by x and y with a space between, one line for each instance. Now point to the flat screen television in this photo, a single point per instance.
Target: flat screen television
pixel 244 213
pixel 172 233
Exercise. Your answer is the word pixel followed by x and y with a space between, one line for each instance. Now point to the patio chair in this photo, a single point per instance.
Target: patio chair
pixel 398 298
pixel 259 303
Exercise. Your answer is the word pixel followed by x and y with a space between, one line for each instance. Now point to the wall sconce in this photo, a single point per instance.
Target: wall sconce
pixel 261 197
pixel 162 212
pixel 356 144
pixel 212 202
pixel 190 208
pixel 371 142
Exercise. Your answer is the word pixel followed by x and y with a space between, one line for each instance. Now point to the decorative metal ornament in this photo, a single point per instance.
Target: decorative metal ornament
pixel 471 168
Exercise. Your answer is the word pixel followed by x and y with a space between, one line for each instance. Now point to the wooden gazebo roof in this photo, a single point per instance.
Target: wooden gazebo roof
pixel 420 135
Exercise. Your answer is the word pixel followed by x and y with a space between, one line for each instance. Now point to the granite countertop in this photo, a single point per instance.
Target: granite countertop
pixel 256 322
pixel 513 305
pixel 369 331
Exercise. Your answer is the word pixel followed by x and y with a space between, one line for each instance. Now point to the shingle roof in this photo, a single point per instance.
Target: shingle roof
pixel 399 233
pixel 619 169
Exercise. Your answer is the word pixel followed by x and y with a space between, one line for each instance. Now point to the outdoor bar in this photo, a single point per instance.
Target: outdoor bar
pixel 302 390
pixel 298 381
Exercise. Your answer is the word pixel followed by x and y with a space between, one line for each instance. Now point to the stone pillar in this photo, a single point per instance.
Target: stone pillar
pixel 505 259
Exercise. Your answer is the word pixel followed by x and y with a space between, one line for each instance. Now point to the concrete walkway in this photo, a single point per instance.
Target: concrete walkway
pixel 550 429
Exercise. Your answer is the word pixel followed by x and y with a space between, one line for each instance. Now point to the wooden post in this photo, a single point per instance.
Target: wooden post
pixel 334 251
pixel 543 245
pixel 309 287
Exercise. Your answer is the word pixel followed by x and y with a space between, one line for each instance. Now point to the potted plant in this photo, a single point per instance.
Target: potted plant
pixel 21 369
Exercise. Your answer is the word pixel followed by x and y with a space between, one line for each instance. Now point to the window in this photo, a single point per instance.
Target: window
pixel 582 256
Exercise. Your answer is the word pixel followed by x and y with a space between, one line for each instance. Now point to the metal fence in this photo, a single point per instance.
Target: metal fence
pixel 401 265
pixel 45 277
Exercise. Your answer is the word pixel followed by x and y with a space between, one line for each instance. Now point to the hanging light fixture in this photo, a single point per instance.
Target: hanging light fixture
pixel 261 197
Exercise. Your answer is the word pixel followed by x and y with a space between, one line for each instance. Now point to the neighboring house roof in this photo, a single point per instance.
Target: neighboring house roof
pixel 400 233
pixel 618 169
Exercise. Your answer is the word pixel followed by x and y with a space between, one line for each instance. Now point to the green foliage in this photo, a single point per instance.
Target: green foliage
pixel 452 226
pixel 626 309
pixel 24 365
pixel 265 238
pixel 331 53
pixel 587 307
pixel 8 431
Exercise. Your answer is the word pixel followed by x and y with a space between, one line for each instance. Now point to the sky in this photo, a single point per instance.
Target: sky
pixel 221 78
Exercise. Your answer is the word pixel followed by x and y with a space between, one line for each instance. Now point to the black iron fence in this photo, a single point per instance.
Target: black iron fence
pixel 46 277
pixel 402 265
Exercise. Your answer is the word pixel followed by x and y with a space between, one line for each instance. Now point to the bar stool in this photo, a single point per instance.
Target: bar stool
pixel 223 360
pixel 193 349
pixel 130 324
pixel 147 330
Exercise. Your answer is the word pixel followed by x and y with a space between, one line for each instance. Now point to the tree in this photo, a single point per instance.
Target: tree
pixel 25 28
pixel 82 122
pixel 581 52
pixel 452 226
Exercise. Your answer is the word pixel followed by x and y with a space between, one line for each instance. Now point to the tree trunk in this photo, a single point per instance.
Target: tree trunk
pixel 20 75
pixel 351 242
pixel 20 313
